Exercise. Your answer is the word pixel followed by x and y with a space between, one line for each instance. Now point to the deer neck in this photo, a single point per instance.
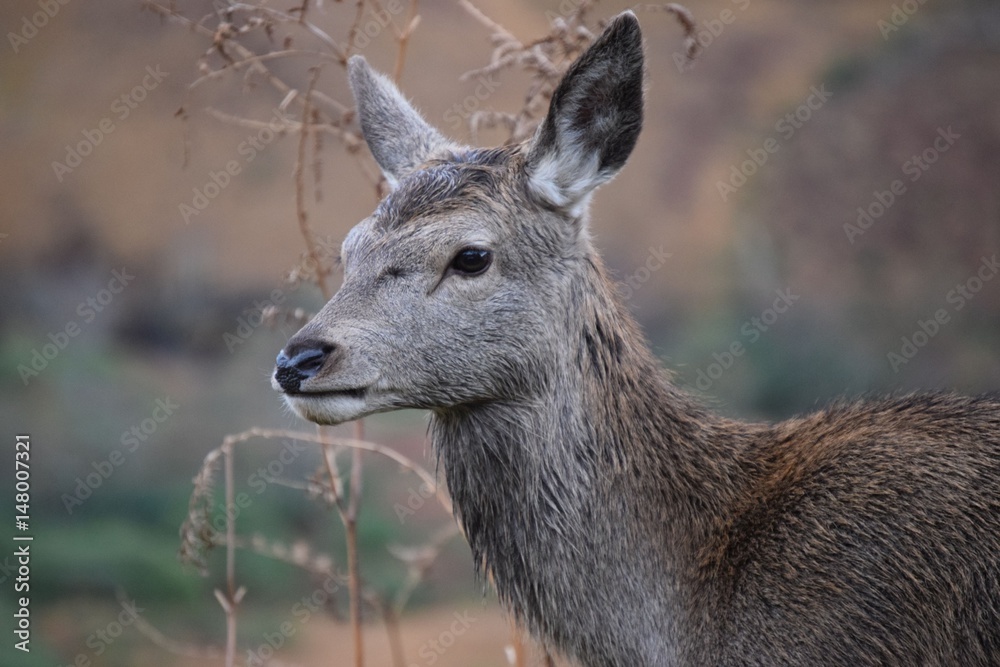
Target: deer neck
pixel 607 466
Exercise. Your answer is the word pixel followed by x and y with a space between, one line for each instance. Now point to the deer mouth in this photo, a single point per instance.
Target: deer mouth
pixel 358 392
pixel 332 406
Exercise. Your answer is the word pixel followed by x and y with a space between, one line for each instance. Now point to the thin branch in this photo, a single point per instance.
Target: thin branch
pixel 322 270
pixel 419 561
pixel 352 33
pixel 403 37
pixel 354 585
pixel 174 647
pixel 498 30
pixel 230 600
pixel 317 32
pixel 359 434
pixel 351 527
pixel 261 57
pixel 319 564
pixel 391 621
pixel 363 445
pixel 244 53
pixel 692 48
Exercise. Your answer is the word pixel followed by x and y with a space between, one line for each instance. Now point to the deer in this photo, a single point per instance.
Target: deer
pixel 620 521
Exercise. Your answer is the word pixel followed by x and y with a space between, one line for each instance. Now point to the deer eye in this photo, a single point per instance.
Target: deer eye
pixel 472 261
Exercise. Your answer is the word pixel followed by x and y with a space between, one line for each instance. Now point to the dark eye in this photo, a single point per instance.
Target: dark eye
pixel 472 261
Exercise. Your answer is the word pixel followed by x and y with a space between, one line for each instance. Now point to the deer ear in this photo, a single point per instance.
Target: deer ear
pixel 399 138
pixel 593 120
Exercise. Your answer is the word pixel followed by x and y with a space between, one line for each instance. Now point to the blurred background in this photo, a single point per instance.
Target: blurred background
pixel 813 211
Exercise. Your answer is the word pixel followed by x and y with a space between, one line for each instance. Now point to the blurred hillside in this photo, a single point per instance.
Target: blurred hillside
pixel 750 174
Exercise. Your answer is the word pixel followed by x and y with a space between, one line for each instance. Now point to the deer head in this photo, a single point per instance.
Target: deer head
pixel 459 288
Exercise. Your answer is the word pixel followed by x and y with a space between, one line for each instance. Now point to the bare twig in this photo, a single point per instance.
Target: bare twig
pixel 231 598
pixel 686 19
pixel 403 38
pixel 354 584
pixel 174 647
pixel 322 269
pixel 498 31
pixel 351 528
pixel 352 33
pixel 363 445
pixel 316 31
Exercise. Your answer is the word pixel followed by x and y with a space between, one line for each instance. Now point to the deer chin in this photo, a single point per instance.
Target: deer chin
pixel 332 407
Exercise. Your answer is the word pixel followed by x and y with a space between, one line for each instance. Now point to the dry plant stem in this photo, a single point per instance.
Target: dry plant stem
pixel 259 58
pixel 201 654
pixel 403 37
pixel 229 599
pixel 351 526
pixel 352 34
pixel 244 53
pixel 417 572
pixel 287 18
pixel 322 271
pixel 498 30
pixel 348 510
pixel 391 620
pixel 251 544
pixel 174 647
pixel 227 450
pixel 354 589
pixel 256 64
pixel 363 445
pixel 686 19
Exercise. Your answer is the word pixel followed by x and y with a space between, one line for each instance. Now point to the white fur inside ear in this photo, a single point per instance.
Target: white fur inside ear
pixel 565 178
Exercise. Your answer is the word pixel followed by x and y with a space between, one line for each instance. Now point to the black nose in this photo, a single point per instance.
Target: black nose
pixel 300 360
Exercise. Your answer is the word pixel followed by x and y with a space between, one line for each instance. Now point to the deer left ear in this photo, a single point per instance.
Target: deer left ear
pixel 398 136
pixel 593 120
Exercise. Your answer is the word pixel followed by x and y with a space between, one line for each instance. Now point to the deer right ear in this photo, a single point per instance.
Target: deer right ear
pixel 593 120
pixel 399 138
